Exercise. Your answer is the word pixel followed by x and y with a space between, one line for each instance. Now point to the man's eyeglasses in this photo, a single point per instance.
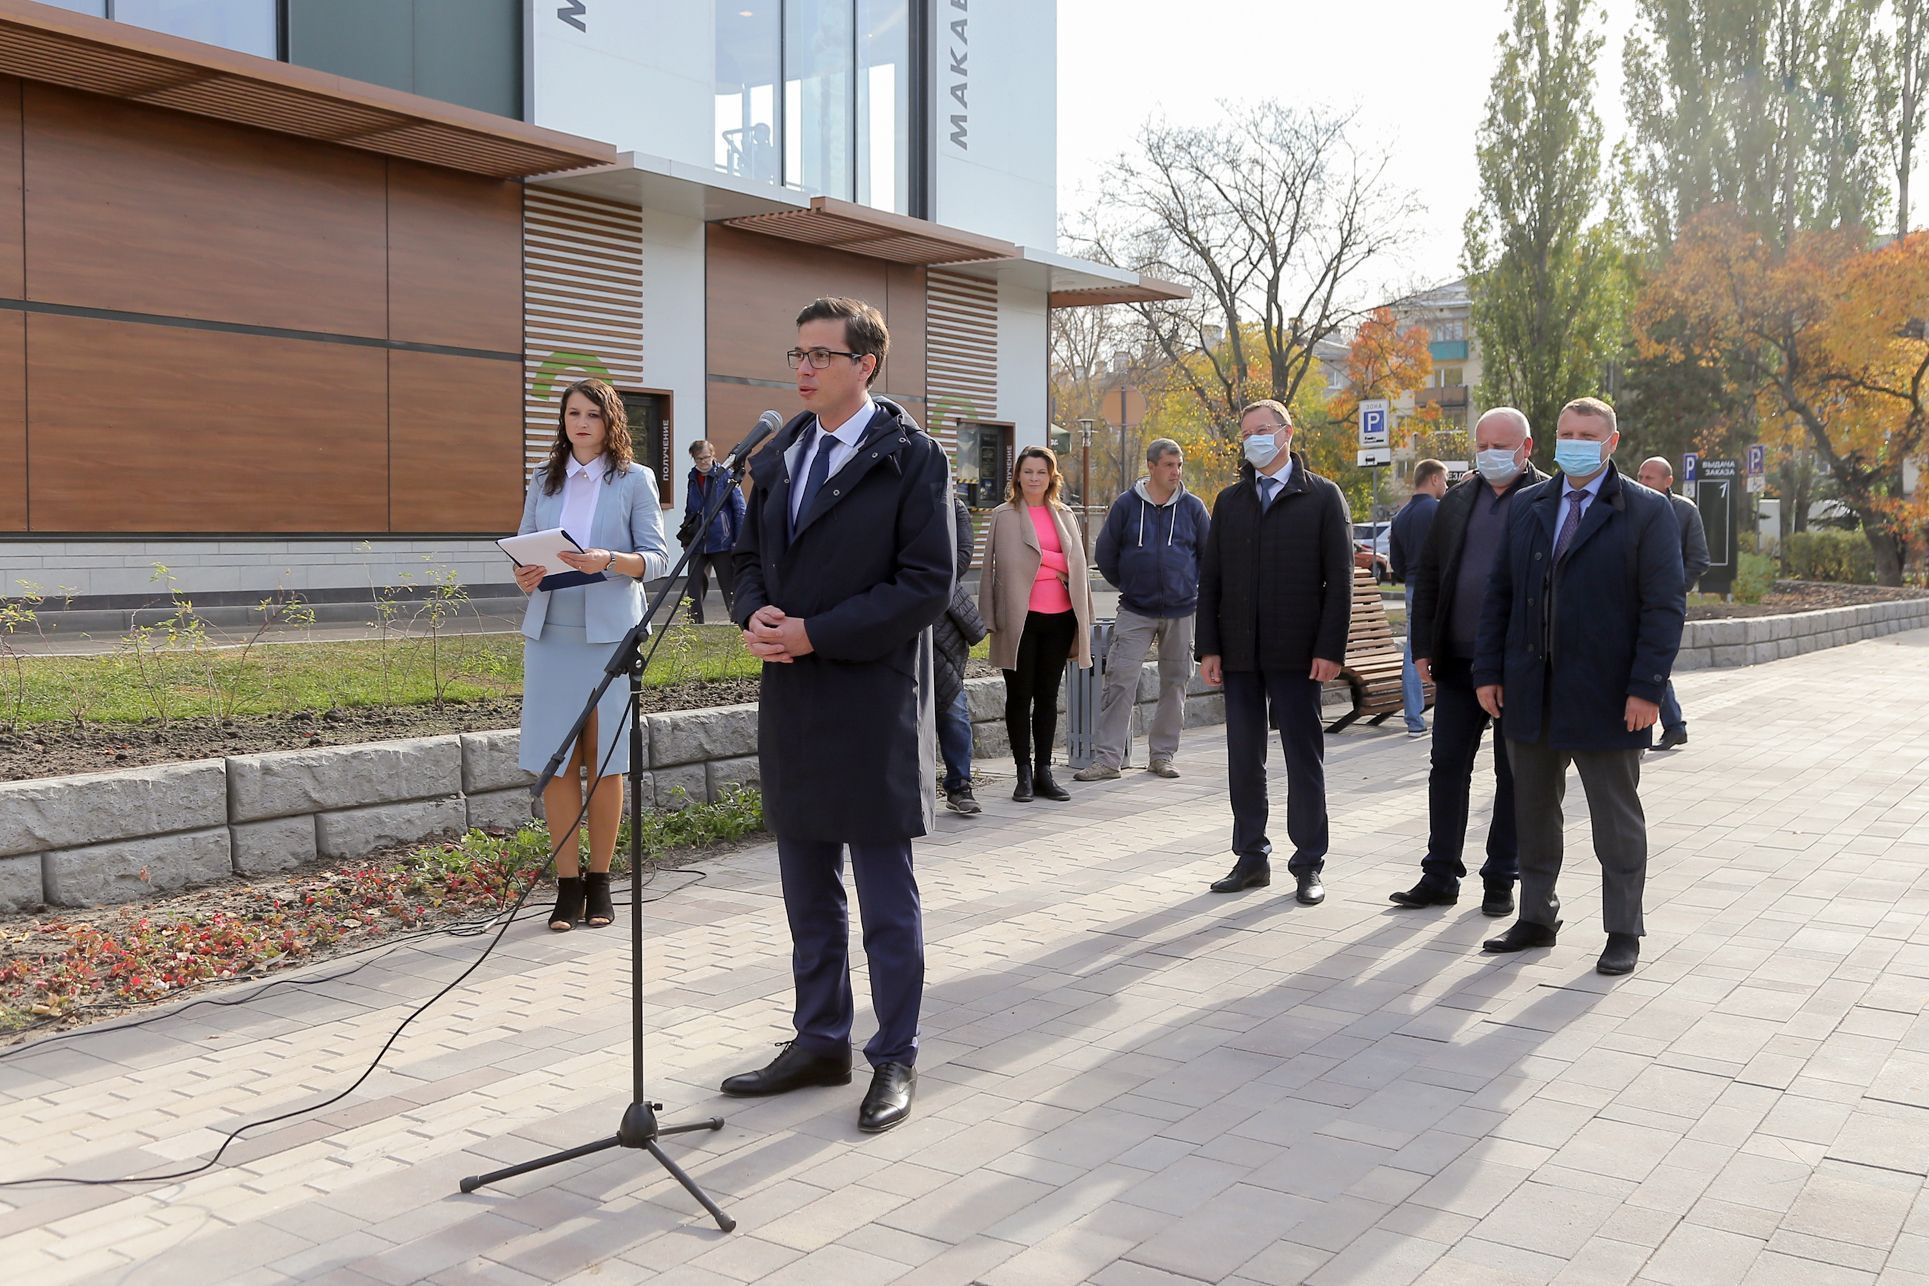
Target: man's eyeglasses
pixel 819 357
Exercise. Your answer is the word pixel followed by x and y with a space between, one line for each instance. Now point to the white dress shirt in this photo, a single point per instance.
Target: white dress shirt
pixel 841 442
pixel 580 483
pixel 1269 494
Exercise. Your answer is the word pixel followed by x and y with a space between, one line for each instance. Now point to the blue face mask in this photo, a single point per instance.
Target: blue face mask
pixel 1261 449
pixel 1578 457
pixel 1497 466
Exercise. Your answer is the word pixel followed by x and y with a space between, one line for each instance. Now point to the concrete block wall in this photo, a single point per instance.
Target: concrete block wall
pixel 1751 640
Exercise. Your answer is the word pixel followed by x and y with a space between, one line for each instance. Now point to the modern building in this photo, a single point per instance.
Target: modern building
pixel 290 286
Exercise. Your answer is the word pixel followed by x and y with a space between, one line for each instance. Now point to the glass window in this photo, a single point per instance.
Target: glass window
pixel 747 62
pixel 244 25
pixel 884 104
pixel 819 53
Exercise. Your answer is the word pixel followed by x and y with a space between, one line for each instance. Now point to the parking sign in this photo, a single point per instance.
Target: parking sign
pixel 1690 467
pixel 1374 426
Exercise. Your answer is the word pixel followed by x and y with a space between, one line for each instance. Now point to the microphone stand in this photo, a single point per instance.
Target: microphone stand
pixel 639 1127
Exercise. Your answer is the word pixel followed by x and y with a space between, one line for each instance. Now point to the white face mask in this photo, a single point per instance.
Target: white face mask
pixel 1261 449
pixel 1497 466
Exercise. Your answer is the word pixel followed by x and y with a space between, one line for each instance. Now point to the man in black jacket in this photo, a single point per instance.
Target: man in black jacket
pixel 1658 475
pixel 845 562
pixel 953 637
pixel 1405 539
pixel 1275 600
pixel 1448 587
pixel 1577 637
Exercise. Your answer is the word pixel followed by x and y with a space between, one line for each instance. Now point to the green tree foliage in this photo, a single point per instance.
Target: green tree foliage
pixel 1549 286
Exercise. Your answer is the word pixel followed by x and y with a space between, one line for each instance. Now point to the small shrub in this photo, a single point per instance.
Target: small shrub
pixel 1840 556
pixel 1754 578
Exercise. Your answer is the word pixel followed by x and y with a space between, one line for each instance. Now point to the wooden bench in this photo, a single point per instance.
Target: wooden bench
pixel 1371 671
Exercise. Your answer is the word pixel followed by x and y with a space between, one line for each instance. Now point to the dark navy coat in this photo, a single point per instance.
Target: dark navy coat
pixel 847 736
pixel 722 536
pixel 1571 643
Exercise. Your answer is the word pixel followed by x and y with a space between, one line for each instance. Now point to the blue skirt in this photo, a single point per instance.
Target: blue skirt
pixel 559 671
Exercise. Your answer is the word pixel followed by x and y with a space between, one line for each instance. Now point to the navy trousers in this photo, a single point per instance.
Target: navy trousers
pixel 1458 722
pixel 1294 700
pixel 887 900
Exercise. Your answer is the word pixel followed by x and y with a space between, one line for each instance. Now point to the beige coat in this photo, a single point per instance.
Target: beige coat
pixel 1011 562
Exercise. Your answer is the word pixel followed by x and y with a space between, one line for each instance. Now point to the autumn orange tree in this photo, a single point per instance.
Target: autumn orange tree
pixel 1841 360
pixel 1384 361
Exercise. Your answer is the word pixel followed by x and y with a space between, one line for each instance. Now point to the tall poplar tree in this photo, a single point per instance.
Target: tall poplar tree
pixel 1548 283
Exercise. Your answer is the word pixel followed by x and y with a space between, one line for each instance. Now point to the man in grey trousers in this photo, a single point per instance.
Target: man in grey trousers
pixel 1658 475
pixel 1577 637
pixel 1149 550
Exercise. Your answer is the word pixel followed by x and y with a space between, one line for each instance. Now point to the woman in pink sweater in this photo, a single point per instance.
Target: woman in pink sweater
pixel 1037 601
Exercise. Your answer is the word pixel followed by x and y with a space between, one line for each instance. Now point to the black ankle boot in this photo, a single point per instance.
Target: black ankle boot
pixel 1022 791
pixel 598 912
pixel 569 903
pixel 1047 788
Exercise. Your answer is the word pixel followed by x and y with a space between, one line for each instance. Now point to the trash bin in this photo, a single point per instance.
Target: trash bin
pixel 1083 692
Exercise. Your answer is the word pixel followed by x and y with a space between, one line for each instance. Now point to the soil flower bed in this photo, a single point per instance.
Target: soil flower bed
pixel 68 968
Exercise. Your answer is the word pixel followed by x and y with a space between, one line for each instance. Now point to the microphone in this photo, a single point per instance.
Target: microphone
pixel 767 423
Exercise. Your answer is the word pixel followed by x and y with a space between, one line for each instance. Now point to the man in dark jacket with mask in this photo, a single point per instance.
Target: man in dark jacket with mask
pixel 1448 588
pixel 1275 601
pixel 1149 550
pixel 953 637
pixel 1578 634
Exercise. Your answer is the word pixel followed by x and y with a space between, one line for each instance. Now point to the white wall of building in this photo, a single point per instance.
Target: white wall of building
pixel 638 76
pixel 1023 360
pixel 994 75
pixel 674 330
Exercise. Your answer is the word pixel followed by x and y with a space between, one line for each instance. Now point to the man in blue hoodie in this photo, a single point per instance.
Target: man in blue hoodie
pixel 1149 550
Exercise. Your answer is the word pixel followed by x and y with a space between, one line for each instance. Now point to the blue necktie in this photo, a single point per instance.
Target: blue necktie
pixel 820 467
pixel 1570 525
pixel 1268 487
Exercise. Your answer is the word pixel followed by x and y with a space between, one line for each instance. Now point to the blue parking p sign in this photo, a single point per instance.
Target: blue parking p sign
pixel 1690 467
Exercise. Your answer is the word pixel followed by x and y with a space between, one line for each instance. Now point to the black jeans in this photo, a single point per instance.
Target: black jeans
pixel 1458 722
pixel 1031 690
pixel 700 564
pixel 1295 700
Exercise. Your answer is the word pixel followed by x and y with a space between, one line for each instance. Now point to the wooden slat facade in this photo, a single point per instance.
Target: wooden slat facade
pixel 582 303
pixel 961 353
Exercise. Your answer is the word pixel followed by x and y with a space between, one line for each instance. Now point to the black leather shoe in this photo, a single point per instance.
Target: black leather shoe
pixel 792 1069
pixel 1310 892
pixel 1520 936
pixel 1427 893
pixel 1498 900
pixel 1243 877
pixel 1022 790
pixel 1041 781
pixel 1672 737
pixel 1623 949
pixel 888 1101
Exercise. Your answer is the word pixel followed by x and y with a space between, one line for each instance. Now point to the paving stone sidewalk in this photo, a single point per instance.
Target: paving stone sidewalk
pixel 1125 1079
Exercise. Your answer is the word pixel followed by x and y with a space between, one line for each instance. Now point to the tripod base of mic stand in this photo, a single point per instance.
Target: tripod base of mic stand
pixel 638 1130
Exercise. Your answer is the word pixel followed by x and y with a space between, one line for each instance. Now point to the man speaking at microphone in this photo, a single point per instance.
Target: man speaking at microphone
pixel 844 563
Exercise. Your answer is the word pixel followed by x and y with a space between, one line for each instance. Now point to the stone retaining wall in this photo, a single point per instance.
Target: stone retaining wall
pixel 1750 640
pixel 115 837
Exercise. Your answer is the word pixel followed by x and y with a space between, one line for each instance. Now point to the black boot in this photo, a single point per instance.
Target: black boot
pixel 569 903
pixel 1022 791
pixel 1041 780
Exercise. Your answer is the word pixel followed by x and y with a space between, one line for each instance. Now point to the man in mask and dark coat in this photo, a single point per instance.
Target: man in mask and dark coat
pixel 956 633
pixel 1275 601
pixel 845 563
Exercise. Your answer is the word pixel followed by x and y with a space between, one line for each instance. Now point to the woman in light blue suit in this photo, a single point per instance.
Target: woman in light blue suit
pixel 593 488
